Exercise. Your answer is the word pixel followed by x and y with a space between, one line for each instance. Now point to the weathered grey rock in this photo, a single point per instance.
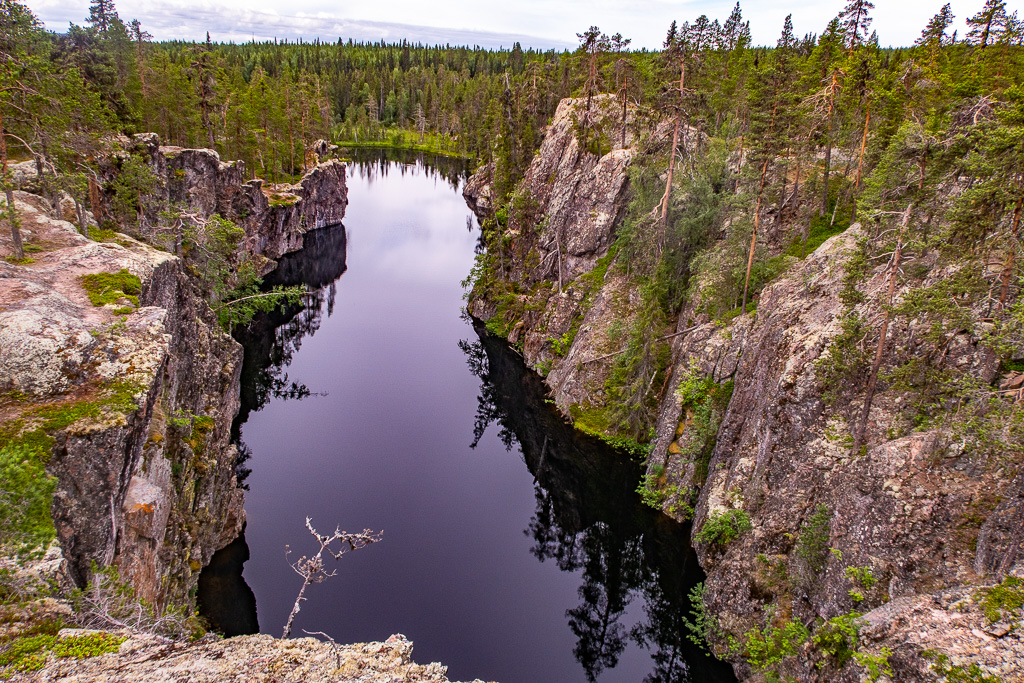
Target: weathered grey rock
pixel 245 658
pixel 274 217
pixel 116 499
pixel 580 197
pixel 932 520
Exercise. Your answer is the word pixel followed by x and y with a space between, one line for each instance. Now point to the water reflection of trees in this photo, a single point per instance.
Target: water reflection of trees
pixel 372 163
pixel 588 517
pixel 272 339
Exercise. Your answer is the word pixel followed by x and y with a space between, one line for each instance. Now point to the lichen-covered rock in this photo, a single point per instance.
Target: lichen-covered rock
pixel 139 400
pixel 245 658
pixel 275 217
pixel 564 317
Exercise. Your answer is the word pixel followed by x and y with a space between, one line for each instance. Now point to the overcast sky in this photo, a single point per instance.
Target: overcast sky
pixel 537 23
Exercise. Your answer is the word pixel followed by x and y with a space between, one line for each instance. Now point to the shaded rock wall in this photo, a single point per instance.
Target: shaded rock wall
pixel 931 518
pixel 573 200
pixel 146 480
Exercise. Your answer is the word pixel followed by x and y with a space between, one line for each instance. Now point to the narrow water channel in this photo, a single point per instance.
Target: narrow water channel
pixel 515 549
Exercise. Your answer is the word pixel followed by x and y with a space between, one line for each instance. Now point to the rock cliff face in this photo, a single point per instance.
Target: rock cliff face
pixel 928 520
pixel 136 396
pixel 138 401
pixel 562 226
pixel 275 217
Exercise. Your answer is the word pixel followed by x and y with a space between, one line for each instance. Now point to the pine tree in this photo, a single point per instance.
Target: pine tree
pixel 987 23
pixel 101 14
pixel 854 22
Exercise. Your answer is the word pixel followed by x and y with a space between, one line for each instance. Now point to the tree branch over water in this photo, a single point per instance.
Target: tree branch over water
pixel 312 569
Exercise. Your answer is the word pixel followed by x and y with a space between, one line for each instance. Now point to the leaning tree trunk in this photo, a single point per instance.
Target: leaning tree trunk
pixel 1007 275
pixel 663 221
pixel 894 269
pixel 753 233
pixel 12 216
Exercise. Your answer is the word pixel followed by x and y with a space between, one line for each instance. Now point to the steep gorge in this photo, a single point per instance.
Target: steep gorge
pixel 902 540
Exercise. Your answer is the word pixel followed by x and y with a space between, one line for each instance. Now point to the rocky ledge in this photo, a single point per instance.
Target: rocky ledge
pixel 245 658
pixel 134 399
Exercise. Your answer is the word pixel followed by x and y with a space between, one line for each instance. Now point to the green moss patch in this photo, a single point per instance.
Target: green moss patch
pixel 26 443
pixel 29 653
pixel 110 288
pixel 1002 601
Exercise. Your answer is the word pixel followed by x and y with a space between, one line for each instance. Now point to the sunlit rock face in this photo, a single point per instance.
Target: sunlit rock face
pixel 139 400
pixel 212 660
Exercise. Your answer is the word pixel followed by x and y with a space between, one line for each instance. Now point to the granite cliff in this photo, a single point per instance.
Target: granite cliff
pixel 826 560
pixel 115 368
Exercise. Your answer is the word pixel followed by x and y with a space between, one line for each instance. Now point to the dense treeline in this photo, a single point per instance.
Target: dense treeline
pixel 763 153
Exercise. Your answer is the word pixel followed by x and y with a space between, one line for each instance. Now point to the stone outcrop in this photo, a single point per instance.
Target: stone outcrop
pixel 573 199
pixel 933 521
pixel 146 479
pixel 275 217
pixel 245 658
pixel 138 400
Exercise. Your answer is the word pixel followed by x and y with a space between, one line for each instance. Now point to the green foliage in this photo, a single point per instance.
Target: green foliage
pixel 133 182
pixel 704 624
pixel 25 488
pixel 876 665
pixel 26 491
pixel 1002 601
pixel 87 645
pixel 24 655
pixel 954 673
pixel 820 230
pixel 109 288
pixel 722 527
pixel 765 648
pixel 838 638
pixel 597 422
pixel 815 533
pixel 861 577
pixel 707 401
pixel 561 345
pixel 29 653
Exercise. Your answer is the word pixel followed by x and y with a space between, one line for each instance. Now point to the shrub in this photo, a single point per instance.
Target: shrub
pixel 766 648
pixel 111 602
pixel 838 637
pixel 721 528
pixel 815 533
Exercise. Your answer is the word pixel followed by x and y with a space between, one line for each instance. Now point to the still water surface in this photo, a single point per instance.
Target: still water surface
pixel 514 548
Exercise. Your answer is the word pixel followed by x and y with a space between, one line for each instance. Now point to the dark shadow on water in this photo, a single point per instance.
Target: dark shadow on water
pixel 269 342
pixel 589 518
pixel 271 339
pixel 225 599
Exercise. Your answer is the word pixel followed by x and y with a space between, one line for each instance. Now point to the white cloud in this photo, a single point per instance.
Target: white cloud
pixel 538 23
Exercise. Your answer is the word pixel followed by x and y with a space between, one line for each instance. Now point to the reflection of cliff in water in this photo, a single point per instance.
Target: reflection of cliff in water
pixel 223 596
pixel 269 342
pixel 590 518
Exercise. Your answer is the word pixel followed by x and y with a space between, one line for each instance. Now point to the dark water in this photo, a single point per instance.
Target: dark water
pixel 515 549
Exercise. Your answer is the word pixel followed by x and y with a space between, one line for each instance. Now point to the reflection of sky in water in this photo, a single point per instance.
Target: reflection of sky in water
pixel 388 448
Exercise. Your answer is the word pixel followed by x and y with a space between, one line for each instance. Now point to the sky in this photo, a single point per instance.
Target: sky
pixel 541 24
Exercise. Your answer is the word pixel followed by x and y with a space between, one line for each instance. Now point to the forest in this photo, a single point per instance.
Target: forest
pixel 804 135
